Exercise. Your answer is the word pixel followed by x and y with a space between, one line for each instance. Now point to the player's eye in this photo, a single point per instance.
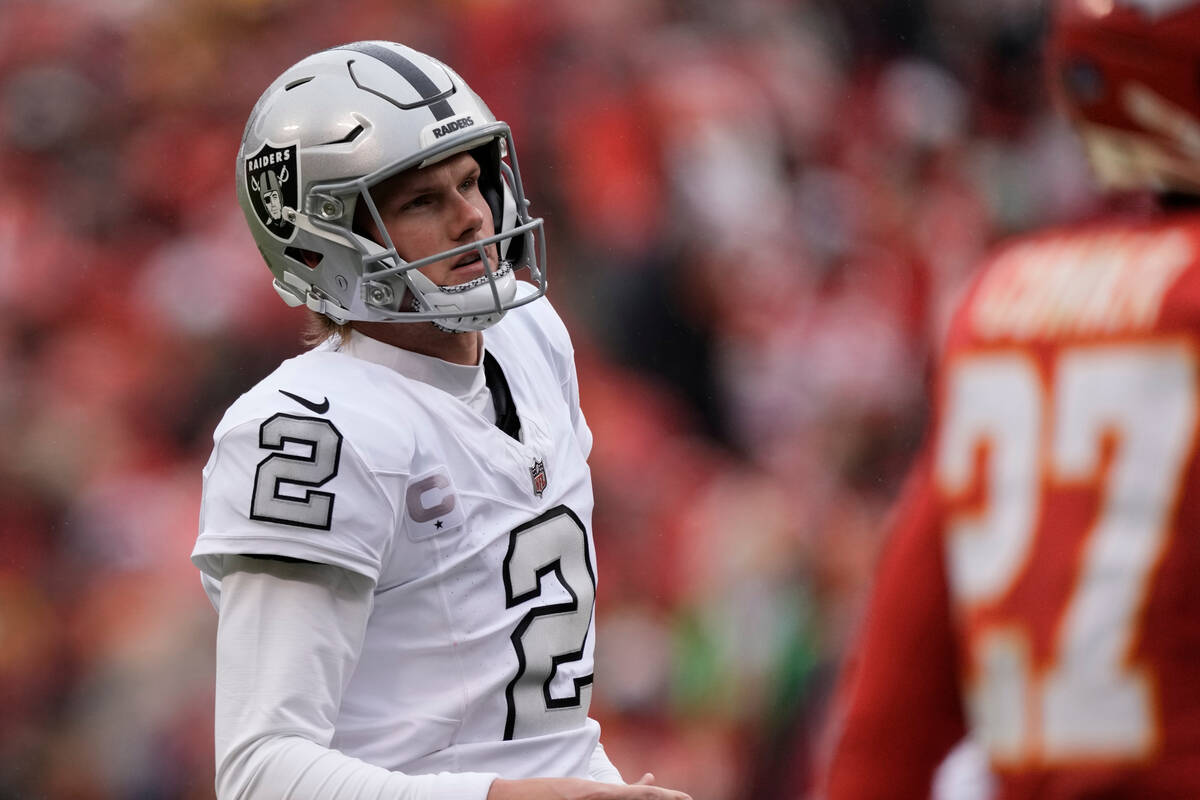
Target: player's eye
pixel 469 183
pixel 419 201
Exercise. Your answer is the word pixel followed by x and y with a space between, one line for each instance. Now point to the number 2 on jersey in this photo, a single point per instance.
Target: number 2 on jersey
pixel 318 448
pixel 551 634
pixel 1122 416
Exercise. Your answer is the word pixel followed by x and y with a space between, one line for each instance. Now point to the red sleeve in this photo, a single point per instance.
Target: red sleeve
pixel 897 709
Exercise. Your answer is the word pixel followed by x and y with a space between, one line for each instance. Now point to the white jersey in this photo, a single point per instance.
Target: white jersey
pixel 478 650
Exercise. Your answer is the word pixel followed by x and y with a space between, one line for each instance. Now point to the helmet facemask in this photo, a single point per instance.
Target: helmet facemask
pixel 394 290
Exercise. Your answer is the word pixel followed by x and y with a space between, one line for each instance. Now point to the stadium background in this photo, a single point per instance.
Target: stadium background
pixel 758 213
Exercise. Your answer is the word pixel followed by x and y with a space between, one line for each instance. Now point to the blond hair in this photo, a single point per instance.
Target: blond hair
pixel 319 327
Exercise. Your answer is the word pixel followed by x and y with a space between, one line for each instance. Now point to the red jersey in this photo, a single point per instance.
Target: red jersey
pixel 1041 586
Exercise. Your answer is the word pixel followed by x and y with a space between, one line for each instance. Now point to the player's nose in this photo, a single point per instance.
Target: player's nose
pixel 466 218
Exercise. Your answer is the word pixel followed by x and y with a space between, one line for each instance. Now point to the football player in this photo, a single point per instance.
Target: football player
pixel 1038 589
pixel 396 524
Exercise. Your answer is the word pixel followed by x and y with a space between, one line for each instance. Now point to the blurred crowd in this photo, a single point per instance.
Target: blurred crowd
pixel 758 213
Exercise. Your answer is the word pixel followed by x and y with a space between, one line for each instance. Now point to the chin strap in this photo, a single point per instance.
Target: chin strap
pixel 305 295
pixel 481 301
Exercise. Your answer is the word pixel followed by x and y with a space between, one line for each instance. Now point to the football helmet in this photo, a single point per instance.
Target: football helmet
pixel 1128 74
pixel 335 125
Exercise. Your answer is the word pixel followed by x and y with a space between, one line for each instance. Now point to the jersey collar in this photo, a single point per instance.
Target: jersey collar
pixel 464 381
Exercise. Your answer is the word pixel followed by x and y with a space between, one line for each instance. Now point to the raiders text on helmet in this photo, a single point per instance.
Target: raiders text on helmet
pixel 337 124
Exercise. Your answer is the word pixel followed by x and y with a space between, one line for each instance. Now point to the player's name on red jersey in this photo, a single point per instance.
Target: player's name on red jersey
pixel 1081 284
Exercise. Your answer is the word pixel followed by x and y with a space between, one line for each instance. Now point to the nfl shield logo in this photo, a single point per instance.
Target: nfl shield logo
pixel 273 184
pixel 538 473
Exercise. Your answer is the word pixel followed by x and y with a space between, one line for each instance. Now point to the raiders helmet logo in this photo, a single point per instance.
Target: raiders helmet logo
pixel 273 183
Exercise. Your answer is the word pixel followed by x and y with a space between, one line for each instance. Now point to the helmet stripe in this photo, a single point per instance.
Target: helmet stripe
pixel 409 71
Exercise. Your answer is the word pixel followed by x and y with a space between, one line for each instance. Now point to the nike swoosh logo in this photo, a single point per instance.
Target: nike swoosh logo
pixel 318 408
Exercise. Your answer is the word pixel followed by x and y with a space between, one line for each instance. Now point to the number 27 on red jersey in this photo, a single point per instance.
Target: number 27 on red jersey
pixel 1061 683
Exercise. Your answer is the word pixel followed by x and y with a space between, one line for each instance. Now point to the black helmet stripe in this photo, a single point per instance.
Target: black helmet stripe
pixel 410 72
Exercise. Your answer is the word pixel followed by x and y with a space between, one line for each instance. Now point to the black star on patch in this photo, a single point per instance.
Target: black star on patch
pixel 438 524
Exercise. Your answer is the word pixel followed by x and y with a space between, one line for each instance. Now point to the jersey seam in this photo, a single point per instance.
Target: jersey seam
pixel 233 537
pixel 457 639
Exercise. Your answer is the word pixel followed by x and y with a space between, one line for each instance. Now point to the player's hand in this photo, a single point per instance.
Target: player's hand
pixel 576 789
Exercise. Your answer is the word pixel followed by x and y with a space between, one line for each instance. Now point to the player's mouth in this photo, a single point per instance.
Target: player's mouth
pixel 467 267
pixel 467 260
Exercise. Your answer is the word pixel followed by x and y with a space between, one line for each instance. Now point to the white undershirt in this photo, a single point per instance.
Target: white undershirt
pixel 467 382
pixel 279 685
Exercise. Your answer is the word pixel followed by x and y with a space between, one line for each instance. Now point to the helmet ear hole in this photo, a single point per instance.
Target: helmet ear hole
pixel 309 258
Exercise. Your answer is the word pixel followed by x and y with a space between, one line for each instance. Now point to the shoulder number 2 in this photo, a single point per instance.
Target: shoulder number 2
pixel 306 455
pixel 1120 415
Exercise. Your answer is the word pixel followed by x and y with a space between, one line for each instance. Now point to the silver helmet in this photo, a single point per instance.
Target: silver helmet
pixel 337 124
